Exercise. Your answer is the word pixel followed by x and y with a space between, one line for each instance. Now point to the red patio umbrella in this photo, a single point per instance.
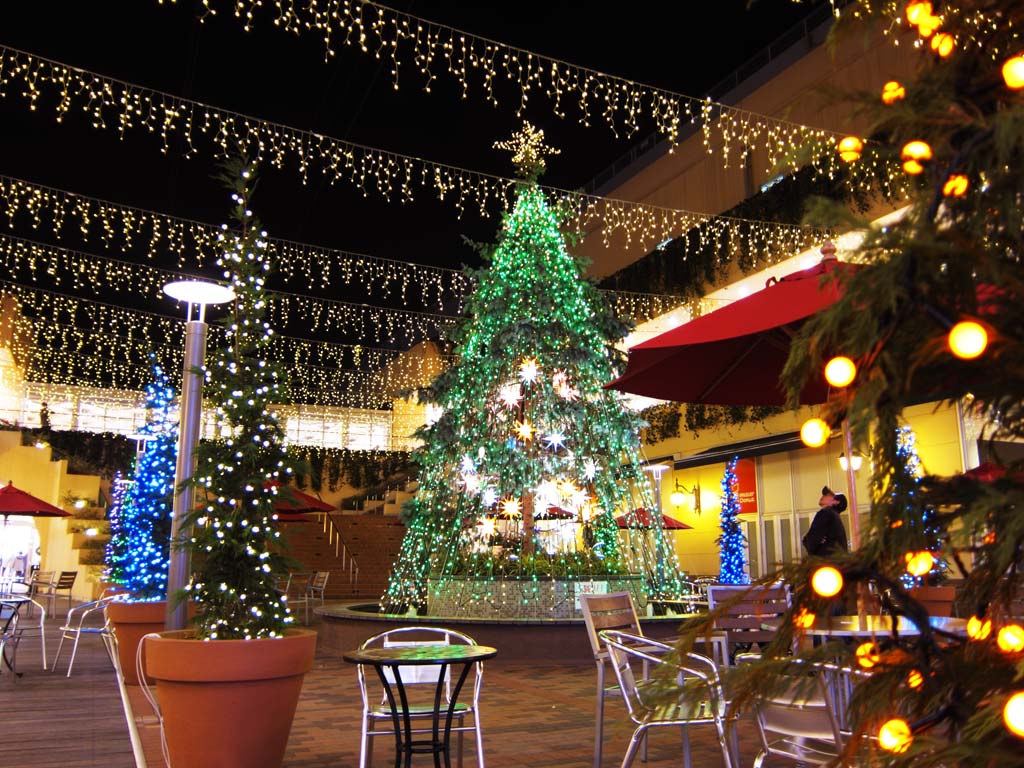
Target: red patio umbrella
pixel 734 355
pixel 292 504
pixel 641 518
pixel 14 501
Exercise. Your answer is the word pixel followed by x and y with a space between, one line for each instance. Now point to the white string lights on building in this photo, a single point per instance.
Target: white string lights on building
pixel 122 228
pixel 118 105
pixel 479 64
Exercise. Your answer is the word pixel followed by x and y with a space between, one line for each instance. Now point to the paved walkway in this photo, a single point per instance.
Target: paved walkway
pixel 538 716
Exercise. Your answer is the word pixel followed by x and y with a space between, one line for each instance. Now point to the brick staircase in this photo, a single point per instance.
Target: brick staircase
pixel 371 542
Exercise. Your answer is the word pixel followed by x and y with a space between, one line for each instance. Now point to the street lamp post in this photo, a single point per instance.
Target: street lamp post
pixel 197 294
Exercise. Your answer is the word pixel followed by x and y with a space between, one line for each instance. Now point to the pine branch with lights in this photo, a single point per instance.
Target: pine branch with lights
pixel 144 521
pixel 527 432
pixel 237 475
pixel 933 314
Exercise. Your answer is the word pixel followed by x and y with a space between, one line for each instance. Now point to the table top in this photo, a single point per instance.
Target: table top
pixel 14 597
pixel 872 624
pixel 398 655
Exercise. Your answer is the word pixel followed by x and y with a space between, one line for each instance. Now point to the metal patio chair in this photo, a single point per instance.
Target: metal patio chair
pixel 425 679
pixel 700 701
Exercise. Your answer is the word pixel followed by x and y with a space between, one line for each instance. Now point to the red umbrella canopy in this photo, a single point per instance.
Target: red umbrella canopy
pixel 735 355
pixel 17 502
pixel 291 499
pixel 641 518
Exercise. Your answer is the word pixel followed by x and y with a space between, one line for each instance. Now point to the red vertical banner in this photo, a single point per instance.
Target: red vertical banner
pixel 746 486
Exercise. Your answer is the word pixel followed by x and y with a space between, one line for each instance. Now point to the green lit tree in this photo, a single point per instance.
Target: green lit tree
pixel 237 474
pixel 527 431
pixel 953 258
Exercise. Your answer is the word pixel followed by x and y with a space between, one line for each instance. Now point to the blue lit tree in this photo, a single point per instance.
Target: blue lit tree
pixel 145 517
pixel 909 477
pixel 730 543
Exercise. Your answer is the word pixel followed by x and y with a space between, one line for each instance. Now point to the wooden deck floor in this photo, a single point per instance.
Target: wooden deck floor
pixel 539 716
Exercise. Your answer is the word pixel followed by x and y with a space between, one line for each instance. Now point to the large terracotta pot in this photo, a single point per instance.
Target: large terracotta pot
pixel 131 621
pixel 228 703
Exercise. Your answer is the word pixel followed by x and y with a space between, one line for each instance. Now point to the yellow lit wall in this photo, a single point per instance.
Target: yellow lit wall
pixel 31 470
pixel 788 483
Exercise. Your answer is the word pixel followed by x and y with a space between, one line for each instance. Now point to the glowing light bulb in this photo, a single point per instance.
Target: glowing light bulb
pixel 850 149
pixel 919 563
pixel 914 154
pixel 917 12
pixel 892 92
pixel 867 655
pixel 827 581
pixel 943 44
pixel 840 371
pixel 895 736
pixel 915 679
pixel 978 629
pixel 814 433
pixel 804 619
pixel 967 339
pixel 1013 714
pixel 1011 638
pixel 1013 72
pixel 956 185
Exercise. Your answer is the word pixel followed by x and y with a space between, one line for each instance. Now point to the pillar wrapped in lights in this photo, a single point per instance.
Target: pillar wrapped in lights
pixel 197 295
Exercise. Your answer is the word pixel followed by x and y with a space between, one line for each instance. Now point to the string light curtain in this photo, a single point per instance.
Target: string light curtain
pixel 117 105
pixel 478 64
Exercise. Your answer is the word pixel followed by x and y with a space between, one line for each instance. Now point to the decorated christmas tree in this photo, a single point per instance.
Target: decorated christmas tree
pixel 730 542
pixel 523 474
pixel 238 473
pixel 141 541
pixel 115 552
pixel 934 314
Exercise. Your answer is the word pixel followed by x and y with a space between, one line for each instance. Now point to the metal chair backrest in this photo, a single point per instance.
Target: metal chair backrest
pixel 66 580
pixel 628 652
pixel 416 674
pixel 614 611
pixel 742 608
pixel 319 581
pixel 797 718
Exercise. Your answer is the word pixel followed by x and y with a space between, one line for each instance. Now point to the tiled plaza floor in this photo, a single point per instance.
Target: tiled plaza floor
pixel 534 716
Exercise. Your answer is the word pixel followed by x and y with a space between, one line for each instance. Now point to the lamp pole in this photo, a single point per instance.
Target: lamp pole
pixel 197 295
pixel 657 470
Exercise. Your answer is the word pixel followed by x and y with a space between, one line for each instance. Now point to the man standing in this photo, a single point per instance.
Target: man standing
pixel 827 534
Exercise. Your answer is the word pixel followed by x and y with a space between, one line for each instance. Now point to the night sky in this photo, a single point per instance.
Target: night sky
pixel 684 45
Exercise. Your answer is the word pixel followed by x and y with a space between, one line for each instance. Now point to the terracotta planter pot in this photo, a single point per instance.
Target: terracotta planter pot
pixel 131 621
pixel 228 703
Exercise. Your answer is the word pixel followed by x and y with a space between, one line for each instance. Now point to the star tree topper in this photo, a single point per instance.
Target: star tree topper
pixel 528 150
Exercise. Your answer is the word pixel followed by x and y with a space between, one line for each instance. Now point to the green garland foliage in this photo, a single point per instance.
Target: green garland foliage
pixel 359 469
pixel 87 453
pixel 664 420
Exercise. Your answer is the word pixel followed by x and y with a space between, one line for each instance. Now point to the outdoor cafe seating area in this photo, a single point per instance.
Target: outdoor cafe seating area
pixel 516 713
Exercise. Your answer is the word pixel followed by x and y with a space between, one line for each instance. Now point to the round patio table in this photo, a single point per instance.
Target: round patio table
pixel 14 601
pixel 396 657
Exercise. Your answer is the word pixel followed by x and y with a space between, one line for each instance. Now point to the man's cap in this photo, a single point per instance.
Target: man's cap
pixel 840 503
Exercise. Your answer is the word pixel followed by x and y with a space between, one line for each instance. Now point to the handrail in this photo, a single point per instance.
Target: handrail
pixel 348 560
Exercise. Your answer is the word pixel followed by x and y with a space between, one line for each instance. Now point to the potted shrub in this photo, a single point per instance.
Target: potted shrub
pixel 228 687
pixel 137 554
